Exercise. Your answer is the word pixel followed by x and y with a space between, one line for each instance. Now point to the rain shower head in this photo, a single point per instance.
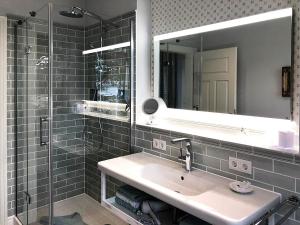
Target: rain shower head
pixel 71 14
pixel 77 12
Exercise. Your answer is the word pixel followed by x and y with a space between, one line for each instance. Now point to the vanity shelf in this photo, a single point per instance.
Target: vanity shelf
pixel 111 205
pixel 122 212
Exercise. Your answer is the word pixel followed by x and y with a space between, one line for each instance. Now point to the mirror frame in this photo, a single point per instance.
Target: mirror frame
pixel 276 14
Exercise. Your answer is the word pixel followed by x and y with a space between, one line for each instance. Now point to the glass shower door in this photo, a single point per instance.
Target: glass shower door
pixel 59 142
pixel 32 123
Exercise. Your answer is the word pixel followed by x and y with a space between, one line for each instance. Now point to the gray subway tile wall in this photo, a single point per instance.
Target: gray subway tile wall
pixel 68 126
pixel 292 170
pixel 103 141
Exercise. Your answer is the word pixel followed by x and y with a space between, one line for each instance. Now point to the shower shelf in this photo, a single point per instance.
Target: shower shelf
pixel 93 109
pixel 105 116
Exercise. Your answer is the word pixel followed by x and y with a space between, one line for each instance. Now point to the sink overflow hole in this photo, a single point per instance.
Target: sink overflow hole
pixel 182 177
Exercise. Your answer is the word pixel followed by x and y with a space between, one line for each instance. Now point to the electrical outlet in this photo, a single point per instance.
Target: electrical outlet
pixel 233 163
pixel 163 145
pixel 240 165
pixel 156 143
pixel 159 144
pixel 245 166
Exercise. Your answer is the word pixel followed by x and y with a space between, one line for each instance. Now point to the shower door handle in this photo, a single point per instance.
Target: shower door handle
pixel 42 120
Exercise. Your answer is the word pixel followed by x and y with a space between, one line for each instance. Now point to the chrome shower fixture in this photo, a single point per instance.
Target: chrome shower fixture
pixel 71 14
pixel 77 12
pixel 43 62
pixel 28 49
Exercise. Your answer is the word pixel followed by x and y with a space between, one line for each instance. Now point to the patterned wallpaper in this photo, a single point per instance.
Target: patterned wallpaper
pixel 173 15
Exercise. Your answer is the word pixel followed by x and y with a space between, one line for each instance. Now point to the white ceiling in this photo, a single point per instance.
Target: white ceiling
pixel 110 8
pixel 105 8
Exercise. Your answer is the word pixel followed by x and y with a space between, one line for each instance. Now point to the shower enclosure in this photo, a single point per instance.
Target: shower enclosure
pixel 72 104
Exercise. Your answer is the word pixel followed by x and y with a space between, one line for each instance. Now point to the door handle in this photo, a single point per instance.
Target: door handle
pixel 42 120
pixel 27 197
pixel 196 107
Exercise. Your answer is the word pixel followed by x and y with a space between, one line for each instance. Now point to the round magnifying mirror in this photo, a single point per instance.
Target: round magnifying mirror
pixel 150 106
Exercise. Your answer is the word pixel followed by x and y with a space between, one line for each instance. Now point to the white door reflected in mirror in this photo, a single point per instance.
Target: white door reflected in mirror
pixel 218 81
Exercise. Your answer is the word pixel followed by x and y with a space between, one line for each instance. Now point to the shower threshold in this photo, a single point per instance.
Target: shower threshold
pixel 90 210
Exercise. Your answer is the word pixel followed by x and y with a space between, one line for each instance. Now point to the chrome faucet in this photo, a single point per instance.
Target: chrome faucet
pixel 188 156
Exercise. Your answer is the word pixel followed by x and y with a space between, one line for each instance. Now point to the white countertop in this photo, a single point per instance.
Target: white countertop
pixel 207 196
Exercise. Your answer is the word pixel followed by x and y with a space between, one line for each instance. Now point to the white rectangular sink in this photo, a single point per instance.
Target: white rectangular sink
pixel 175 179
pixel 199 193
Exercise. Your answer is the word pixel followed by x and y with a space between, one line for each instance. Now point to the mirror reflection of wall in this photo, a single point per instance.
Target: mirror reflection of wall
pixel 176 75
pixel 235 70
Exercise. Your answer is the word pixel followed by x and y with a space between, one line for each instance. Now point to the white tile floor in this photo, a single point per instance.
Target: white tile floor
pixel 90 210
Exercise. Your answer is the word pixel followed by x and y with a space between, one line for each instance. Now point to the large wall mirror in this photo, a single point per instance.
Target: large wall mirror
pixel 238 67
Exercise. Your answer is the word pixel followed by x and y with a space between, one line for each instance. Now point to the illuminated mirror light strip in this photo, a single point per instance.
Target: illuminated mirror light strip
pixel 227 24
pixel 107 48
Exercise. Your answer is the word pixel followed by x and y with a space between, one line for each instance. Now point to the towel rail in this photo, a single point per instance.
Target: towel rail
pixel 292 202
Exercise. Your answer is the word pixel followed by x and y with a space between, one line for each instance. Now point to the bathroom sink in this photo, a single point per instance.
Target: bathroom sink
pixel 175 179
pixel 199 193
